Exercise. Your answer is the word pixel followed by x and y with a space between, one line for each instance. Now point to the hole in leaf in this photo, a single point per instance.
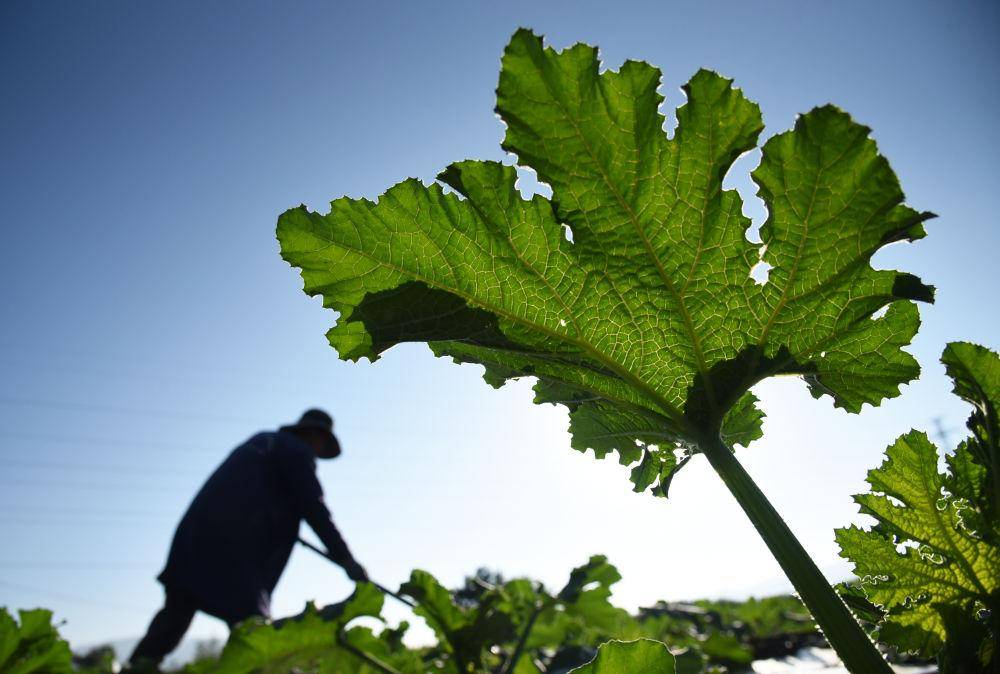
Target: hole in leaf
pixel 528 184
pixel 568 233
pixel 760 272
pixel 668 109
pixel 894 501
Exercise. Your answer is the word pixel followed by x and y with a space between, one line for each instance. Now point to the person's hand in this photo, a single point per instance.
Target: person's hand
pixel 356 572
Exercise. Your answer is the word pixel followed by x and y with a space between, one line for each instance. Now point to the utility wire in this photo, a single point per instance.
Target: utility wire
pixel 132 488
pixel 96 566
pixel 77 355
pixel 78 523
pixel 126 469
pixel 174 373
pixel 83 511
pixel 113 442
pixel 82 519
pixel 114 409
pixel 71 598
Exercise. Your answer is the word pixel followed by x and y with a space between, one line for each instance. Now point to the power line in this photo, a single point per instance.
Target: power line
pixel 113 442
pixel 27 522
pixel 124 469
pixel 92 356
pixel 71 598
pixel 194 376
pixel 94 486
pixel 83 511
pixel 77 522
pixel 114 409
pixel 175 373
pixel 95 566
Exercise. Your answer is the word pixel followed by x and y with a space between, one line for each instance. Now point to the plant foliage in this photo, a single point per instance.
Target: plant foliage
pixel 488 626
pixel 647 325
pixel 630 294
pixel 310 642
pixel 643 656
pixel 507 620
pixel 932 560
pixel 498 626
pixel 732 633
pixel 33 646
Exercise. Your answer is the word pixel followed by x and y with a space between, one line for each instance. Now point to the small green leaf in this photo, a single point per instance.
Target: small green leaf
pixel 586 598
pixel 435 603
pixel 643 656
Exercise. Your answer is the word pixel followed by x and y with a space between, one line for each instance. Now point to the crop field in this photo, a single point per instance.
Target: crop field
pixel 488 625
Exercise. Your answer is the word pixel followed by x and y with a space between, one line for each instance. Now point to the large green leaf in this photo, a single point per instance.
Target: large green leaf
pixel 34 646
pixel 932 561
pixel 644 656
pixel 647 324
pixel 308 643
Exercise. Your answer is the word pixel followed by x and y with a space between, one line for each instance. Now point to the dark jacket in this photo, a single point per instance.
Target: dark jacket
pixel 234 541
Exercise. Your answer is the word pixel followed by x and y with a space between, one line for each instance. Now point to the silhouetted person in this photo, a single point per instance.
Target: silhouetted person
pixel 234 541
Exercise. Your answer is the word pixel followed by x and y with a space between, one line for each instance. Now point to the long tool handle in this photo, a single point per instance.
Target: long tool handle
pixel 382 588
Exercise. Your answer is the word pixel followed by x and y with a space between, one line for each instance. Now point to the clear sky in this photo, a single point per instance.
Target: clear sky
pixel 149 325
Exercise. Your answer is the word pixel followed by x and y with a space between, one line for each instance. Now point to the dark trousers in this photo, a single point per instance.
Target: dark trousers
pixel 167 628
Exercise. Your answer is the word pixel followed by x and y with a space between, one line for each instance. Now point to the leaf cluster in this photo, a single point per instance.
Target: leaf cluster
pixel 33 645
pixel 315 641
pixel 509 625
pixel 489 624
pixel 730 633
pixel 931 563
pixel 517 627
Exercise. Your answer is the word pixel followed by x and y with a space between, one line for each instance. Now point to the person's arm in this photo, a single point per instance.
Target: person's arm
pixel 299 471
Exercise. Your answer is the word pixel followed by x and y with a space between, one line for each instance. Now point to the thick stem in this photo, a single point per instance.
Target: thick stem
pixel 839 627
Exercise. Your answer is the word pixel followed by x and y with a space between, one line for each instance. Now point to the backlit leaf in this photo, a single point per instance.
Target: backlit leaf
pixel 932 561
pixel 644 656
pixel 306 643
pixel 647 325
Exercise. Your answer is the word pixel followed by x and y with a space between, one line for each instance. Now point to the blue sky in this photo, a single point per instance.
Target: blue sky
pixel 149 324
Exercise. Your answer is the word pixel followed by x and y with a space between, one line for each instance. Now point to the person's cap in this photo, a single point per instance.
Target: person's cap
pixel 315 418
pixel 318 420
